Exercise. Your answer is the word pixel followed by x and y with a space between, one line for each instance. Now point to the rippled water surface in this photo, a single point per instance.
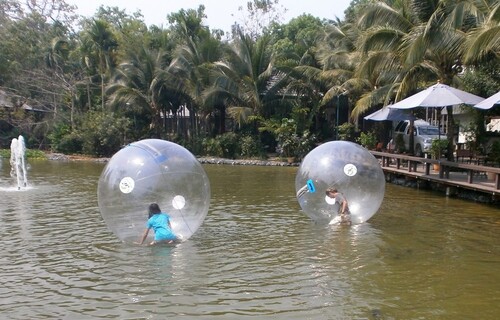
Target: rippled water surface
pixel 422 256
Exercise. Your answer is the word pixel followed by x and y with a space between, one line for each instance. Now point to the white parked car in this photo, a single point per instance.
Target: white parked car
pixel 423 134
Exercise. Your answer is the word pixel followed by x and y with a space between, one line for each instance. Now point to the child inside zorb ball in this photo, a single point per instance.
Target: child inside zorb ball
pixel 348 169
pixel 153 171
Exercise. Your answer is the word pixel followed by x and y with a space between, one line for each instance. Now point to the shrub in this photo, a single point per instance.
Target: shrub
pixel 30 153
pixel 438 148
pixel 347 131
pixel 230 144
pixel 367 140
pixel 306 143
pixel 250 147
pixel 103 133
pixel 35 154
pixel 194 145
pixel 212 147
pixel 5 153
pixel 70 143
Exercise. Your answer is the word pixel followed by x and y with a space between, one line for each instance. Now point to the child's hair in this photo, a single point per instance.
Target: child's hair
pixel 154 208
pixel 331 190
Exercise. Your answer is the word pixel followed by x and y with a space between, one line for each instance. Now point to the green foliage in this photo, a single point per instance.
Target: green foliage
pixel 194 145
pixel 494 153
pixel 70 144
pixel 63 140
pixel 438 148
pixel 296 37
pixel 250 147
pixel 274 70
pixel 483 80
pixel 347 131
pixel 367 140
pixel 306 143
pixel 290 142
pixel 35 154
pixel 103 134
pixel 30 153
pixel 5 153
pixel 286 135
pixel 230 144
pixel 212 147
pixel 399 143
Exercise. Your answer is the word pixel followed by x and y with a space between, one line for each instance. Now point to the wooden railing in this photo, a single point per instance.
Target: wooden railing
pixel 445 166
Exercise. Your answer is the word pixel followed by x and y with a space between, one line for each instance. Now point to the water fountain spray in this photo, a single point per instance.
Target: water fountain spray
pixel 17 163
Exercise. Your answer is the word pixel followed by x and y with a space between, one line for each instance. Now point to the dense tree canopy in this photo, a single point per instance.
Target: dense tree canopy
pixel 61 76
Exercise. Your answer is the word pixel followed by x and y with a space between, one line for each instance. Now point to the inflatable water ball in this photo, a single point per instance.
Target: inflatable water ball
pixel 347 167
pixel 153 171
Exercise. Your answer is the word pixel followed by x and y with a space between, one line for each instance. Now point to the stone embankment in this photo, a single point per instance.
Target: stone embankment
pixel 205 160
pixel 247 162
pixel 65 157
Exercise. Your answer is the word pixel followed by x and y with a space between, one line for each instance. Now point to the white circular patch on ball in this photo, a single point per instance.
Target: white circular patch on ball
pixel 153 171
pixel 127 185
pixel 178 202
pixel 347 167
pixel 350 170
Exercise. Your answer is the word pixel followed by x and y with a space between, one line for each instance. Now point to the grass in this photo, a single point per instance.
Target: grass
pixel 32 154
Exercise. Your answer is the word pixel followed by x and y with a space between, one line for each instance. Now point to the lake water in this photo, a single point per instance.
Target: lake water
pixel 422 256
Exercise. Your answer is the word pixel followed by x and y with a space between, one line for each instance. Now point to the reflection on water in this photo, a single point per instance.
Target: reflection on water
pixel 256 256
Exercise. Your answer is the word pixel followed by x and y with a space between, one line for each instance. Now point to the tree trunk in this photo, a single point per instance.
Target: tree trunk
pixel 89 97
pixel 222 124
pixel 102 92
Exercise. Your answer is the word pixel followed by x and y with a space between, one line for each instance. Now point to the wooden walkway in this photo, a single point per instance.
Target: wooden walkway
pixel 480 178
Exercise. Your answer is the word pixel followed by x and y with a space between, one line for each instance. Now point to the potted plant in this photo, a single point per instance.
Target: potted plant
pixel 367 140
pixel 438 149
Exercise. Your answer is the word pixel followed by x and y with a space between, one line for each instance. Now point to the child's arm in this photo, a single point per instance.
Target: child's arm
pixel 344 206
pixel 144 236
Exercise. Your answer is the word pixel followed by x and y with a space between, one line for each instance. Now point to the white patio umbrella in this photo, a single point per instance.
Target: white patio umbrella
pixel 490 102
pixel 438 95
pixel 390 115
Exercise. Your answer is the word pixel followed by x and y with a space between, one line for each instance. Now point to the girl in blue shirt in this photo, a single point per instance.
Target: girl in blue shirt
pixel 160 223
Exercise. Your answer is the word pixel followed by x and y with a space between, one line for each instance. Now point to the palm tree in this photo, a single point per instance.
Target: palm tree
pixel 100 44
pixel 384 32
pixel 414 43
pixel 189 72
pixel 243 79
pixel 140 85
pixel 338 56
pixel 483 41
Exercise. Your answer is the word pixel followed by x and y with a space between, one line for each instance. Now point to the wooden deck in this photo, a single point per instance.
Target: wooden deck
pixel 480 178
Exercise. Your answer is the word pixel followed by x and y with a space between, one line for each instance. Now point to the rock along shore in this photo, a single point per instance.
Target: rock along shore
pixel 247 162
pixel 204 160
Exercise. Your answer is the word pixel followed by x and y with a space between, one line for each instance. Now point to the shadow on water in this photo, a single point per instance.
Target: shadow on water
pixel 257 255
